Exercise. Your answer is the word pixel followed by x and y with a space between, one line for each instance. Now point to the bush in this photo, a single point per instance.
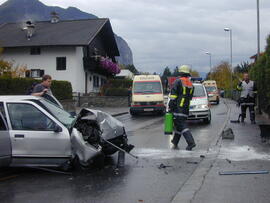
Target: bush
pixel 116 92
pixel 260 72
pixel 62 89
pixel 19 86
pixel 120 83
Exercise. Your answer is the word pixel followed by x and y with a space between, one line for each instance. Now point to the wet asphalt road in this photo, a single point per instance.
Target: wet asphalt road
pixel 139 181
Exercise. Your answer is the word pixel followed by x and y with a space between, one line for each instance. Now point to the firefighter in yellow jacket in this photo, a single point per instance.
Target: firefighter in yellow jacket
pixel 181 94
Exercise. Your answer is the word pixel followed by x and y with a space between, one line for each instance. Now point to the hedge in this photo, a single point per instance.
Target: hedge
pixel 18 86
pixel 116 92
pixel 260 72
pixel 120 83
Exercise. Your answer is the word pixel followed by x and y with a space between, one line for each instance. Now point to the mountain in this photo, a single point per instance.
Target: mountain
pixel 34 10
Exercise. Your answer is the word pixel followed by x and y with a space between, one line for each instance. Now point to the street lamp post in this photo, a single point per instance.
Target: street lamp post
pixel 230 30
pixel 258 48
pixel 210 62
pixel 258 28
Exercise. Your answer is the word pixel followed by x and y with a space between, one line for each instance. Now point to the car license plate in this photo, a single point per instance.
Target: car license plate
pixel 148 109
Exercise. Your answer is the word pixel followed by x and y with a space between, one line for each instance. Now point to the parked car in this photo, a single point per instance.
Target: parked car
pixel 199 105
pixel 36 132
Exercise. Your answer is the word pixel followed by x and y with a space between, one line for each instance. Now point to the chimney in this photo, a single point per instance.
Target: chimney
pixel 54 17
pixel 30 29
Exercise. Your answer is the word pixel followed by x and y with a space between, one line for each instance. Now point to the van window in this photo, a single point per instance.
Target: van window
pixel 147 87
pixel 199 91
pixel 210 89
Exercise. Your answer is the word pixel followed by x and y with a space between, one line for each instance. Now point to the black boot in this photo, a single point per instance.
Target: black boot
pixel 175 140
pixel 190 140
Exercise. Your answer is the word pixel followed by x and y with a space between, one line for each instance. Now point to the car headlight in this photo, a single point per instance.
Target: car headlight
pixel 202 106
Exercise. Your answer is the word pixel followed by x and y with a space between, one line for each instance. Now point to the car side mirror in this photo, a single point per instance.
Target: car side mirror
pixel 57 129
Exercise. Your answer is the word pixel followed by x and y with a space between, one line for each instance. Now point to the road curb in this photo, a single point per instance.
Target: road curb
pixel 120 114
pixel 194 183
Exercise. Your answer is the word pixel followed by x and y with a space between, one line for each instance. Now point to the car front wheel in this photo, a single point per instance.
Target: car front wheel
pixel 207 120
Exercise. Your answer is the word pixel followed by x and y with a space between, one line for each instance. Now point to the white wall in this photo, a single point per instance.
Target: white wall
pixel 74 72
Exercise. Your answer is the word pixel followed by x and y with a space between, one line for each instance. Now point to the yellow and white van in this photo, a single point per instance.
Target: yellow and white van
pixel 147 95
pixel 212 90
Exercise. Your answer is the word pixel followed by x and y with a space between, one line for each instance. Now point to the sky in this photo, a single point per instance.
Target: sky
pixel 175 32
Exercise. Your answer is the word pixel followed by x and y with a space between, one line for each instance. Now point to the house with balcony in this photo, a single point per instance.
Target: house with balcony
pixel 67 50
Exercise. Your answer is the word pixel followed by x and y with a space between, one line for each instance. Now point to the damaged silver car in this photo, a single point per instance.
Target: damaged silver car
pixel 36 132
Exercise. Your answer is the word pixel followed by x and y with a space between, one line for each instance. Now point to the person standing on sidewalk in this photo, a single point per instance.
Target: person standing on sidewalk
pixel 248 96
pixel 181 94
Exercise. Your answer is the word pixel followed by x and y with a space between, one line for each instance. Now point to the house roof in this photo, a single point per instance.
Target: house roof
pixel 255 56
pixel 125 73
pixel 63 33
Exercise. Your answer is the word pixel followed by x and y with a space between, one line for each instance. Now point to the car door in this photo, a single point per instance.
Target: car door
pixel 5 144
pixel 36 134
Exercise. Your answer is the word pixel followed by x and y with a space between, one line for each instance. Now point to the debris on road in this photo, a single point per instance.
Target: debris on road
pixel 192 162
pixel 161 166
pixel 229 161
pixel 202 156
pixel 242 172
pixel 228 134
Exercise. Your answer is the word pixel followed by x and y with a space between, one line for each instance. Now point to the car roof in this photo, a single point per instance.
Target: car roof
pixel 197 84
pixel 6 98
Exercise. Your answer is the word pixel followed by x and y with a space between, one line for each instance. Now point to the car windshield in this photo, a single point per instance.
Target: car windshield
pixel 211 89
pixel 147 87
pixel 199 91
pixel 62 115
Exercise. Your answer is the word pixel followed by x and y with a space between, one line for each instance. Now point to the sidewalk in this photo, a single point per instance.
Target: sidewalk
pixel 245 153
pixel 114 111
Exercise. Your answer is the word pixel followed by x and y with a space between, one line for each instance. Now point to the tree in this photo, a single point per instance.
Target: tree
pixel 8 70
pixel 260 72
pixel 242 68
pixel 175 72
pixel 222 75
pixel 194 73
pixel 166 73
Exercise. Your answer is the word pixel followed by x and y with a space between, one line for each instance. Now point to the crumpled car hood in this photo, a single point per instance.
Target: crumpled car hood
pixel 109 126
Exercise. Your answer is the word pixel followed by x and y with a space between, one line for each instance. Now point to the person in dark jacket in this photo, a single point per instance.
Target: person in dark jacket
pixel 248 97
pixel 44 87
pixel 180 97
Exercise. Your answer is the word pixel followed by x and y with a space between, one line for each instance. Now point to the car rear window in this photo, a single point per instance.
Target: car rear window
pixel 199 91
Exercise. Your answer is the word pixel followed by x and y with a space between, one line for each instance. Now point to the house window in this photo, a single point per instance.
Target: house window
pixel 61 63
pixel 36 73
pixel 35 51
pixel 96 81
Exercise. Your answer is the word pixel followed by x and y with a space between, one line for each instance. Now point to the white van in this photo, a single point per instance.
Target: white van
pixel 147 95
